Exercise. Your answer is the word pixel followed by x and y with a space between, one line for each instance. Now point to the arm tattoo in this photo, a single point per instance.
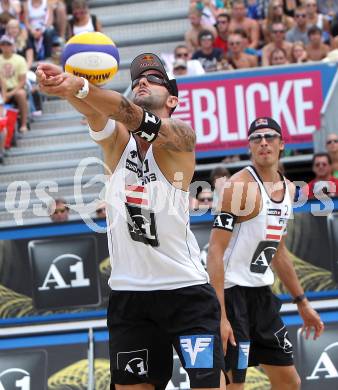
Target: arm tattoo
pixel 177 136
pixel 126 114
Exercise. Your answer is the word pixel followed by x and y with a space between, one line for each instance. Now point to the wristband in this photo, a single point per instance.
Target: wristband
pixel 106 132
pixel 83 92
pixel 150 127
pixel 299 298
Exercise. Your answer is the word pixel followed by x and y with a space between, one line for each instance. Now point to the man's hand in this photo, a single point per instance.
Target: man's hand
pixel 311 320
pixel 227 334
pixel 53 81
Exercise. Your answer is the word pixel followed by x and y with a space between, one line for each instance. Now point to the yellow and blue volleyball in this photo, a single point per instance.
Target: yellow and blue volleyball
pixel 92 55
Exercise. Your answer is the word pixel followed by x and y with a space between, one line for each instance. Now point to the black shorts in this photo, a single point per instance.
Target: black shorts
pixel 259 331
pixel 145 325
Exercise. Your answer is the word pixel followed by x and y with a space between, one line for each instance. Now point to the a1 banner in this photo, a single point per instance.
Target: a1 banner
pixel 220 107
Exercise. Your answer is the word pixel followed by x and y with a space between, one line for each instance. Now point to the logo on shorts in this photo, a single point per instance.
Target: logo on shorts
pixel 135 362
pixel 197 351
pixel 283 340
pixel 243 355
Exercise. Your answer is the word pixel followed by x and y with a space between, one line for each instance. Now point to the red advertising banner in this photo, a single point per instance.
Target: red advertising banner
pixel 221 107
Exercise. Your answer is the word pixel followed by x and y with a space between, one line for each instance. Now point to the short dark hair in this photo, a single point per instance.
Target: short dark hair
pixel 219 171
pixel 241 32
pixel 223 15
pixel 205 33
pixel 314 30
pixel 181 46
pixel 321 154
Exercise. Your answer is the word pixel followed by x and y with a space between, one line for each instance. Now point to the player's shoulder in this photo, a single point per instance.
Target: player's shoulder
pixel 242 176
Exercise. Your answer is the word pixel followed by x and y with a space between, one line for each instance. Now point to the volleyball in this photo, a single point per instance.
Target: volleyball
pixel 92 55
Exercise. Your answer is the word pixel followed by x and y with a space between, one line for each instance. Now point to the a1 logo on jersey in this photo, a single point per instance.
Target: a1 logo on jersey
pixel 142 225
pixel 23 371
pixel 263 256
pixel 64 272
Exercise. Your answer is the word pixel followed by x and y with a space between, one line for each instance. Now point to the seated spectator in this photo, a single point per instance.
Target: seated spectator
pixel 13 7
pixel 3 121
pixel 101 210
pixel 218 177
pixel 246 48
pixel 222 26
pixel 180 68
pixel 204 199
pixel 14 70
pixel 332 149
pixel 5 17
pixel 209 56
pixel 58 211
pixel 278 57
pixel 324 184
pixel 237 58
pixel 194 67
pixel 82 20
pixel 38 18
pixel 191 36
pixel 289 6
pixel 208 8
pixel 328 7
pixel 278 41
pixel 316 49
pixel 298 53
pixel 275 14
pixel 239 20
pixel 314 18
pixel 299 31
pixel 59 17
pixel 20 36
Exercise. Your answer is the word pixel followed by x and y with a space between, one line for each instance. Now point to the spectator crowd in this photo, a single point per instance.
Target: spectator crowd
pixel 32 31
pixel 238 34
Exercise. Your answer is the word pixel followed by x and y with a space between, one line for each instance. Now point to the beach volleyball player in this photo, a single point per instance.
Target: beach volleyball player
pixel 160 293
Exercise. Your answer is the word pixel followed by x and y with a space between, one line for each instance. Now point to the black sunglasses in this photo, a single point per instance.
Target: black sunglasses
pixel 153 79
pixel 257 137
pixel 332 141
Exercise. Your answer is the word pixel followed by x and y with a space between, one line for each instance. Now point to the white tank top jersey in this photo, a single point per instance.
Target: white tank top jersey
pixel 38 14
pixel 254 242
pixel 150 242
pixel 88 27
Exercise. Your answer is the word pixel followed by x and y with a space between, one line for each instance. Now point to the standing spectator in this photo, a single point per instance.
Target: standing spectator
pixel 299 31
pixel 38 17
pixel 180 68
pixel 324 184
pixel 298 53
pixel 191 36
pixel 314 18
pixel 316 49
pixel 278 41
pixel 82 20
pixel 194 67
pixel 209 56
pixel 237 58
pixel 275 15
pixel 222 27
pixel 332 149
pixel 278 57
pixel 239 20
pixel 14 70
pixel 58 210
